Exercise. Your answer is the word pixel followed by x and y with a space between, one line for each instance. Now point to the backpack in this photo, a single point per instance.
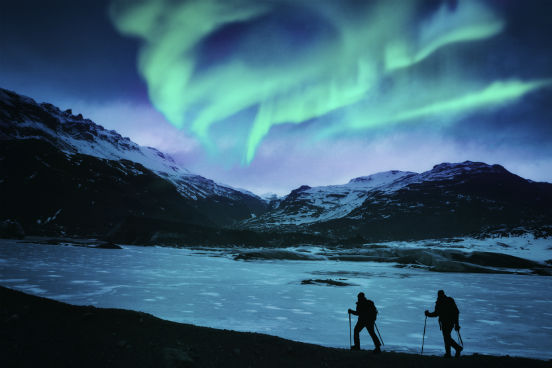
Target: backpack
pixel 372 311
pixel 450 311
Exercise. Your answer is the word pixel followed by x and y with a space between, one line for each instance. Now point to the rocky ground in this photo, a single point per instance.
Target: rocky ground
pixel 39 332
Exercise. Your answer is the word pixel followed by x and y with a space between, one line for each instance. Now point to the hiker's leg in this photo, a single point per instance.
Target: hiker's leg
pixel 454 344
pixel 358 327
pixel 446 329
pixel 370 328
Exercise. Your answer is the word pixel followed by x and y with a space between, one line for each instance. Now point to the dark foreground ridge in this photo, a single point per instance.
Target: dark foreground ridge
pixel 38 332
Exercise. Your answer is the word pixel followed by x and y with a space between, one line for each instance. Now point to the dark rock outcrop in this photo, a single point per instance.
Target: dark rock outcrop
pixel 11 229
pixel 108 245
pixel 329 282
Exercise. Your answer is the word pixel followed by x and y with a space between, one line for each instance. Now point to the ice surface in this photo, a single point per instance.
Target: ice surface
pixel 500 314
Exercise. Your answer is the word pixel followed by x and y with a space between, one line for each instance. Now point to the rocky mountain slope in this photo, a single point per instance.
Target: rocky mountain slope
pixel 452 199
pixel 61 173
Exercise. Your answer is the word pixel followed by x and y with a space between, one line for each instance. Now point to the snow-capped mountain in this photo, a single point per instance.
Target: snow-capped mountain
pixel 450 199
pixel 60 169
pixel 306 205
pixel 23 118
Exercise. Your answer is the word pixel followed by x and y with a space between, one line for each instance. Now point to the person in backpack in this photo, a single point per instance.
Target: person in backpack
pixel 367 313
pixel 447 311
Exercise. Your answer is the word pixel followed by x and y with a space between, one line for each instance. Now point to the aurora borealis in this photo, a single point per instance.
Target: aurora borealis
pixel 329 90
pixel 351 48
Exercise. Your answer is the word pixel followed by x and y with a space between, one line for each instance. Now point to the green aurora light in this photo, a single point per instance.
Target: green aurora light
pixel 341 72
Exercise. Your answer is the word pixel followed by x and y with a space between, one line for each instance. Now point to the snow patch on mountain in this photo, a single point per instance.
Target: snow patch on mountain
pixel 328 202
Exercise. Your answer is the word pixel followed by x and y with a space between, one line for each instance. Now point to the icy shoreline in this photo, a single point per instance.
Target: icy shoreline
pixel 500 313
pixel 125 338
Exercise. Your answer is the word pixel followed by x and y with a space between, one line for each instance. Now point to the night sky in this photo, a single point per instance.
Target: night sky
pixel 269 95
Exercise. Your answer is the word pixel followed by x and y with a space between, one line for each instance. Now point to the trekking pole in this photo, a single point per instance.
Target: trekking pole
pixel 350 341
pixel 460 338
pixel 377 329
pixel 423 338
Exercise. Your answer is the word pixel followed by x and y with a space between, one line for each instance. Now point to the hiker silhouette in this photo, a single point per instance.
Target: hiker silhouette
pixel 447 311
pixel 367 313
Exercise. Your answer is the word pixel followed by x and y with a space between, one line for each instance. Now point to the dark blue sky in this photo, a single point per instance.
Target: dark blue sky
pixel 73 54
pixel 57 48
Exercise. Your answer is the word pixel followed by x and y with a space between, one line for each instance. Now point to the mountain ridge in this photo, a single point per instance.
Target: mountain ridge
pixel 64 174
pixel 75 134
pixel 484 196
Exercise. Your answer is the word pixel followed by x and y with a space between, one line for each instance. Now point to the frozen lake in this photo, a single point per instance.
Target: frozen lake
pixel 499 313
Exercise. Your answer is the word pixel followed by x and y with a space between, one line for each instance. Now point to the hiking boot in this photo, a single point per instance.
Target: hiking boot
pixel 377 350
pixel 447 355
pixel 458 351
pixel 355 347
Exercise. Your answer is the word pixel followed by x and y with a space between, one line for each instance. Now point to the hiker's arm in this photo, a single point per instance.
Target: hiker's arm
pixel 435 313
pixel 353 312
pixel 431 314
